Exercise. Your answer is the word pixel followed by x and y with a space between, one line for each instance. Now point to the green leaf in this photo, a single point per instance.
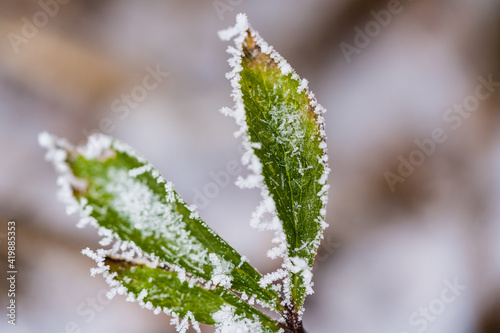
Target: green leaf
pixel 128 200
pixel 162 290
pixel 284 130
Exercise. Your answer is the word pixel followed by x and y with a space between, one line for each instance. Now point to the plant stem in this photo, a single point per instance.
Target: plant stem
pixel 294 323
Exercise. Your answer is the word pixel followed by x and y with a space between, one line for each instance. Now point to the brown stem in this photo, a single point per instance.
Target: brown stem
pixel 293 322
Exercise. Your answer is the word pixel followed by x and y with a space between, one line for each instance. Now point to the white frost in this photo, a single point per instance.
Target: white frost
pixel 98 146
pixel 240 27
pixel 299 266
pixel 142 294
pixel 140 170
pixel 221 274
pixel 226 321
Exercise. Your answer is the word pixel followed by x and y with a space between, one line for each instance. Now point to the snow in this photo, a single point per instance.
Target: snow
pixel 98 146
pixel 182 325
pixel 241 26
pixel 142 294
pixel 288 121
pixel 57 153
pixel 272 277
pixel 140 170
pixel 221 272
pixel 300 266
pixel 226 321
pixel 304 85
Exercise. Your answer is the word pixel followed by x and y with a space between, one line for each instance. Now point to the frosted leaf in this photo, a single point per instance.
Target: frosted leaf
pixel 141 218
pixel 161 290
pixel 282 129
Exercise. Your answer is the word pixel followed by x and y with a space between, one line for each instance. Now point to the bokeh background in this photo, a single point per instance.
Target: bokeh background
pixel 389 252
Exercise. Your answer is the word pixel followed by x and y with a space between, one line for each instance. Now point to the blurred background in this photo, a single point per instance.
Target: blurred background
pixel 414 237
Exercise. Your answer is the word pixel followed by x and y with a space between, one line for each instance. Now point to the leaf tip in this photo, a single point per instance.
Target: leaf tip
pixel 98 147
